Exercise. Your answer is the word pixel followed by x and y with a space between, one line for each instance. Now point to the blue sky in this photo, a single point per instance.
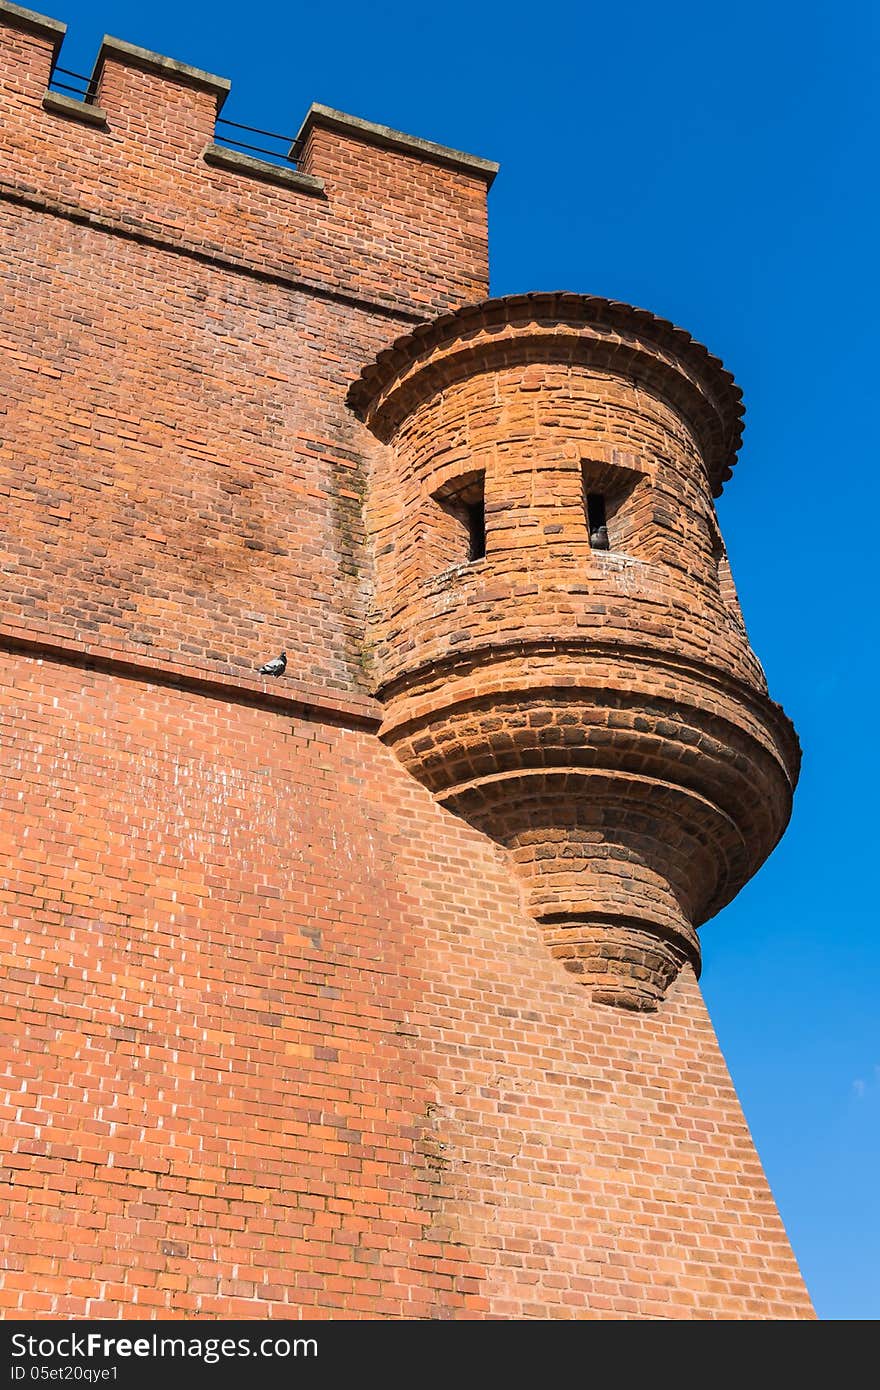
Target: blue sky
pixel 718 165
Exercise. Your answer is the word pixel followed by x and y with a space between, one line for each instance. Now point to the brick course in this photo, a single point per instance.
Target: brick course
pixel 281 1034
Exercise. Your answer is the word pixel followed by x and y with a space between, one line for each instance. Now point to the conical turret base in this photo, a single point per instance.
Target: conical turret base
pixel 621 962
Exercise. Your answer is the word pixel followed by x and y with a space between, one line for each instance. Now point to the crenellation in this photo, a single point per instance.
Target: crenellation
pixel 17 17
pixel 129 55
pixel 153 162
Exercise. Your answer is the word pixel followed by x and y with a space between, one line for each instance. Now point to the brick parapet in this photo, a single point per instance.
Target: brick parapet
pixel 145 165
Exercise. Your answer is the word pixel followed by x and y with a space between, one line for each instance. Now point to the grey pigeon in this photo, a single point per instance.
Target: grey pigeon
pixel 599 538
pixel 276 667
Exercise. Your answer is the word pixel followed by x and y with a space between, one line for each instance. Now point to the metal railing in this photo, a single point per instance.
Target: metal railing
pixel 83 88
pixel 286 157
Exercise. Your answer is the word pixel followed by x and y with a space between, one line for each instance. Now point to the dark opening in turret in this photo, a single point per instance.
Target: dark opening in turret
pixel 476 518
pixel 458 531
pixel 597 522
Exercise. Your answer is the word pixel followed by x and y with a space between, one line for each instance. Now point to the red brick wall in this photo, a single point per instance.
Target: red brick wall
pixel 180 485
pixel 184 477
pixel 391 228
pixel 270 1010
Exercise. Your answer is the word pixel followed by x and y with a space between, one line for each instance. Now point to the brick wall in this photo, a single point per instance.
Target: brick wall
pixel 183 478
pixel 280 1037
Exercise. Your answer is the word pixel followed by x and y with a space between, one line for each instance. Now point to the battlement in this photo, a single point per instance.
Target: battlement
pixel 368 212
pixel 182 322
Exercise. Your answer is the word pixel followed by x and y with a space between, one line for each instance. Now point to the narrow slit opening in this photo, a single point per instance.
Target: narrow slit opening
pixel 597 521
pixel 476 522
pixel 458 529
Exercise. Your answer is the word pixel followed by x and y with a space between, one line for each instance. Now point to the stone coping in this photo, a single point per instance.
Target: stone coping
pixel 383 136
pixel 130 54
pixel 84 111
pixel 222 158
pixel 19 18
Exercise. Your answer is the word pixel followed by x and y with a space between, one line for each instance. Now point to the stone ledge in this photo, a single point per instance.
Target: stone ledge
pixel 222 158
pixel 34 23
pixel 130 54
pixel 294 697
pixel 386 138
pixel 60 105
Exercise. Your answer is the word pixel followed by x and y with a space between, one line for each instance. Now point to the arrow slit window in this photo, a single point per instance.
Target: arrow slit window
pixel 457 531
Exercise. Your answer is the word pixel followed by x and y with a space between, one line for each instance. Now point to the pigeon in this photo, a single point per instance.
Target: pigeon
pixel 276 667
pixel 599 538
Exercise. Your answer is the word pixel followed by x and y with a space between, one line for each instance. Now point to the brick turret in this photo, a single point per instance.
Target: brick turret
pixel 558 642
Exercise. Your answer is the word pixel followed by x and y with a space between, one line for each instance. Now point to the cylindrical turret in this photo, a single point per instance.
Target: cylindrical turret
pixel 557 638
